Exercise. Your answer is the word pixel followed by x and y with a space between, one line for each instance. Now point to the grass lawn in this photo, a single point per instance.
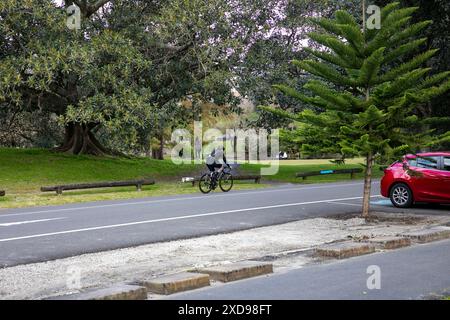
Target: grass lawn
pixel 24 171
pixel 286 173
pixel 314 161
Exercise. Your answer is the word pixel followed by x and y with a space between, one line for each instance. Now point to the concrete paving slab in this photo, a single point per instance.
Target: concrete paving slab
pixel 388 243
pixel 428 235
pixel 176 283
pixel 238 270
pixel 344 250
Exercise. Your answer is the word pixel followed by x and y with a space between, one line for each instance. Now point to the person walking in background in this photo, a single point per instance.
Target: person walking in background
pixel 197 148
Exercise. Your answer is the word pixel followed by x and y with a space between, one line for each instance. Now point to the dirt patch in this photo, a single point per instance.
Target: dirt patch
pixel 398 218
pixel 395 218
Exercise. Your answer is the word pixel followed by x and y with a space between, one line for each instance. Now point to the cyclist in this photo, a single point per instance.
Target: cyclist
pixel 216 159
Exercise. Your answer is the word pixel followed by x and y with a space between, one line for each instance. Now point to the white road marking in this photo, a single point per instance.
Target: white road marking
pixel 177 218
pixel 8 224
pixel 179 199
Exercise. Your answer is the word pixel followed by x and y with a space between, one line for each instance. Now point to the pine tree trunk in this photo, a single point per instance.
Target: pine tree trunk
pixel 367 185
pixel 368 175
pixel 79 139
pixel 364 16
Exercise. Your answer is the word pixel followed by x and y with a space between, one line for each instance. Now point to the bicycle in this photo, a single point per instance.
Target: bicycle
pixel 210 181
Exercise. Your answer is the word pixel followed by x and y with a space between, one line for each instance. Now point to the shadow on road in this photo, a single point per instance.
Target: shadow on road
pixel 416 208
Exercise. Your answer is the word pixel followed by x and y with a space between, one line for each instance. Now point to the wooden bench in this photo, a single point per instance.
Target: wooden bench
pixel 351 171
pixel 138 183
pixel 2 193
pixel 256 178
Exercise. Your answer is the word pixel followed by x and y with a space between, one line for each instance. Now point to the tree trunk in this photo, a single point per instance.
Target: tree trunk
pixel 364 16
pixel 161 147
pixel 155 153
pixel 147 149
pixel 158 153
pixel 367 185
pixel 79 139
pixel 368 174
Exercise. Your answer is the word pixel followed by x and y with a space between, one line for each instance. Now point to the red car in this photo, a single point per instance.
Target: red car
pixel 422 177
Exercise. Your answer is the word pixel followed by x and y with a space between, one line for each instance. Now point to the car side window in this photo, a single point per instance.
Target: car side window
pixel 447 163
pixel 427 162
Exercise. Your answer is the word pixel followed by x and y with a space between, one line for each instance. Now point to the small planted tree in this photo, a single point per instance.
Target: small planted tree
pixel 366 86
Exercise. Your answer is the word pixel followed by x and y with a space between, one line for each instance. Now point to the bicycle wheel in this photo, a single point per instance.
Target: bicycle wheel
pixel 226 182
pixel 204 183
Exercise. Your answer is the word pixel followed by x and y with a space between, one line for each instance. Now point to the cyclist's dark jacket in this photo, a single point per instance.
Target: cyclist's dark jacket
pixel 214 160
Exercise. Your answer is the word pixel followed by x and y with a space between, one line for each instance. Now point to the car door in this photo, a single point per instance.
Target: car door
pixel 426 178
pixel 445 181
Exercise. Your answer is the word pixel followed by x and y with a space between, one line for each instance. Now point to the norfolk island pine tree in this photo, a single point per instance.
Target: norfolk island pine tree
pixel 367 85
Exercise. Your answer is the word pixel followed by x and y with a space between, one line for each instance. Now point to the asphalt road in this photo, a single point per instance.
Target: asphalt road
pixel 409 273
pixel 41 234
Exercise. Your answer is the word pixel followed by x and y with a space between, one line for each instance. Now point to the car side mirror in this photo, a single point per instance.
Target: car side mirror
pixel 405 166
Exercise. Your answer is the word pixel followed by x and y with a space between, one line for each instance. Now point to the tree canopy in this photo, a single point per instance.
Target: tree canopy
pixel 368 87
pixel 124 72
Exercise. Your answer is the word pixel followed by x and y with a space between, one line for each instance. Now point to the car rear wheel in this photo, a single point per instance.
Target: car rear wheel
pixel 401 195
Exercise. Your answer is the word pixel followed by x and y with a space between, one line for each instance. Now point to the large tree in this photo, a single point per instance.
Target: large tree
pixel 437 37
pixel 124 73
pixel 370 82
pixel 88 78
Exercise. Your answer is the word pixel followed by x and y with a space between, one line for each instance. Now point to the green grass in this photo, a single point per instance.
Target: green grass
pixel 24 171
pixel 286 173
pixel 314 161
